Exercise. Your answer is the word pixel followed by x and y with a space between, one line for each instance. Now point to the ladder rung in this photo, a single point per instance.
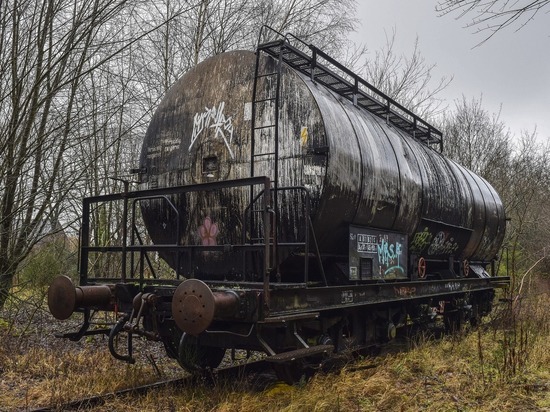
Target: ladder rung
pixel 264 127
pixel 265 100
pixel 267 74
pixel 276 50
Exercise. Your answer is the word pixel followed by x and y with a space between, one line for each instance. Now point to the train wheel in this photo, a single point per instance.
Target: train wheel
pixel 194 357
pixel 474 316
pixel 289 372
pixel 453 320
pixel 171 342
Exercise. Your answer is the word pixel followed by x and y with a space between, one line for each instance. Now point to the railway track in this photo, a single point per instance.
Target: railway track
pixel 225 373
pixel 253 370
pixel 259 373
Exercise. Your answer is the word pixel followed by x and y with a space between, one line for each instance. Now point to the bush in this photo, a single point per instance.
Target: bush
pixel 49 259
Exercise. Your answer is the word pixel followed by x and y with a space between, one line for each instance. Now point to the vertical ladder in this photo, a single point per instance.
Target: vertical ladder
pixel 270 130
pixel 265 134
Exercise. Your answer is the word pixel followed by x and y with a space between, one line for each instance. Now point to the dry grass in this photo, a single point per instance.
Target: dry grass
pixel 46 377
pixel 37 369
pixel 500 367
pixel 434 376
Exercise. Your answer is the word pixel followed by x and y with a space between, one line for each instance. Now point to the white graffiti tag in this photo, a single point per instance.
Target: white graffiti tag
pixel 214 119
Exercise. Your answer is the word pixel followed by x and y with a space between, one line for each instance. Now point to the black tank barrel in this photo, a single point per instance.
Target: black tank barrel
pixel 358 168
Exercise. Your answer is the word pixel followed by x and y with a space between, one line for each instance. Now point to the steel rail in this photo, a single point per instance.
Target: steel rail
pixel 209 375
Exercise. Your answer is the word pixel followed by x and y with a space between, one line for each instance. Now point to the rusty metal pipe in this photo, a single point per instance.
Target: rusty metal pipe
pixel 64 297
pixel 226 304
pixel 195 306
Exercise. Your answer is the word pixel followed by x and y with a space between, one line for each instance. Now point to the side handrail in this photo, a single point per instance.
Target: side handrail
pixel 85 230
pixel 309 234
pixel 264 28
pixel 360 81
pixel 135 232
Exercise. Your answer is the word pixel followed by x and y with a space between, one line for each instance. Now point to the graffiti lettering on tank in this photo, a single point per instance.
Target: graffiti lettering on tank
pixel 442 245
pixel 453 286
pixel 377 254
pixel 421 240
pixel 405 291
pixel 213 118
pixel 347 296
pixel 208 232
pixel 389 253
pixel 389 256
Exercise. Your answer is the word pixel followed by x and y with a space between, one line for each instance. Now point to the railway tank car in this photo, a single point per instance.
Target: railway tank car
pixel 302 212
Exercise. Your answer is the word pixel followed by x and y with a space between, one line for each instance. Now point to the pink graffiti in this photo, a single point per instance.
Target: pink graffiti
pixel 208 232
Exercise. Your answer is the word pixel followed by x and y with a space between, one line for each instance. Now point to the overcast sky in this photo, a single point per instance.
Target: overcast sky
pixel 512 68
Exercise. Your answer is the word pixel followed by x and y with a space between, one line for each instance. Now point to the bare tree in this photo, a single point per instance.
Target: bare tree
pixel 325 23
pixel 518 169
pixel 78 81
pixel 407 79
pixel 210 27
pixel 477 139
pixel 526 200
pixel 494 15
pixel 48 51
pixel 225 30
pixel 164 54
